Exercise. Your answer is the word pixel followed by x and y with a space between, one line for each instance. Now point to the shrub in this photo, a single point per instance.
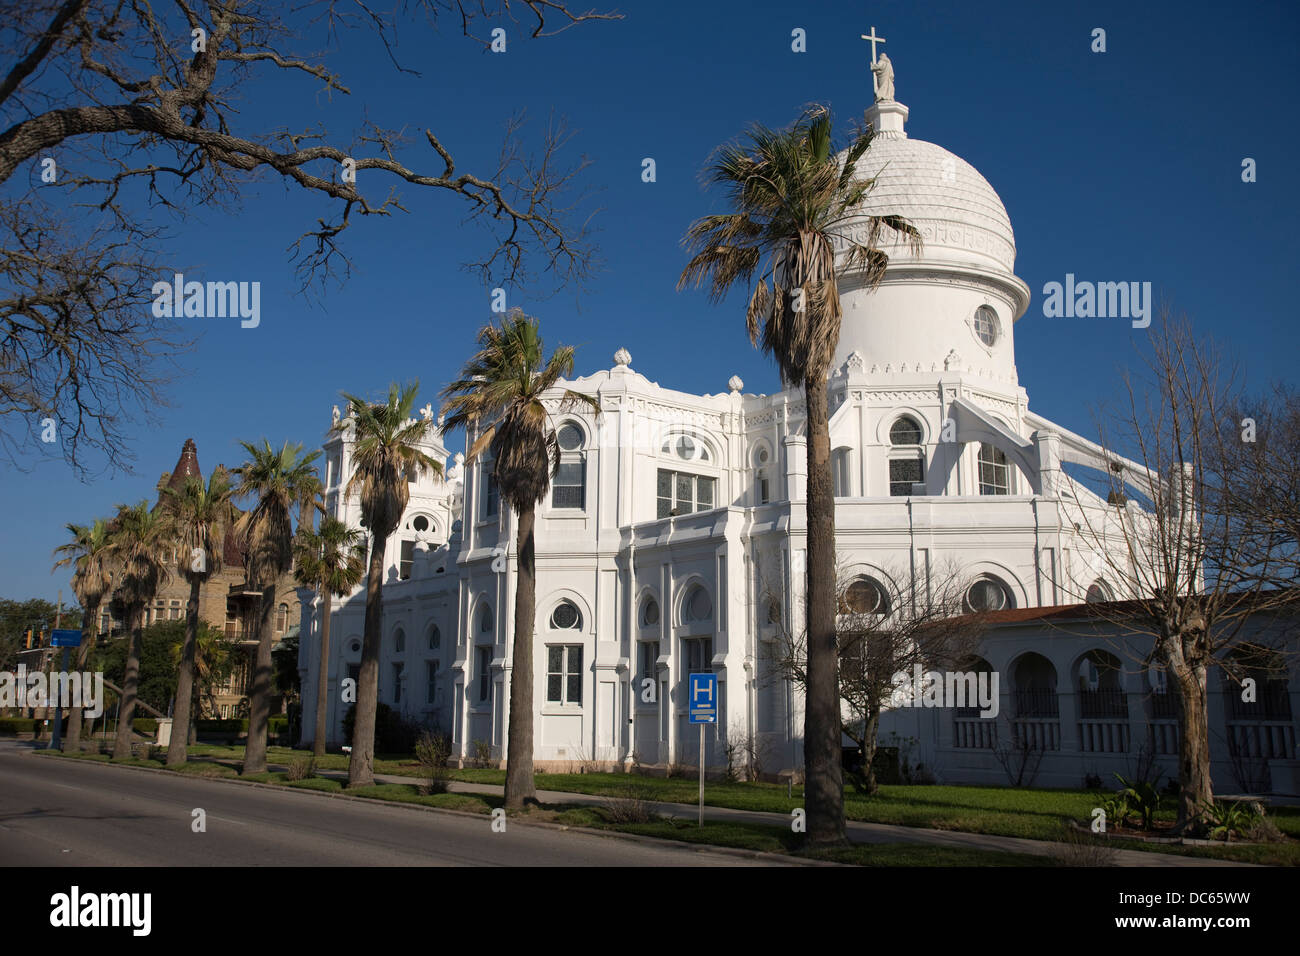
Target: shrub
pixel 631 804
pixel 1080 850
pixel 145 725
pixel 482 753
pixel 11 726
pixel 302 770
pixel 394 734
pixel 1143 797
pixel 432 750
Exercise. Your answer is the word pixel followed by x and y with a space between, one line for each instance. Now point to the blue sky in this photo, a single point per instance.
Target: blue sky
pixel 1117 166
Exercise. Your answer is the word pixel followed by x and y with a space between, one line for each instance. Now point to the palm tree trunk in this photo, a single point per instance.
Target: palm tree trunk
pixel 519 748
pixel 823 773
pixel 259 696
pixel 130 683
pixel 322 679
pixel 72 740
pixel 361 766
pixel 178 746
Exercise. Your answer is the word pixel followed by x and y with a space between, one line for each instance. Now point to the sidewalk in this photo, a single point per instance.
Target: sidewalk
pixel 864 833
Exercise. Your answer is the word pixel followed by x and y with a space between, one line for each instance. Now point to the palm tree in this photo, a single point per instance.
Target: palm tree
pixel 791 195
pixel 386 458
pixel 331 562
pixel 499 398
pixel 200 516
pixel 92 580
pixel 140 541
pixel 277 479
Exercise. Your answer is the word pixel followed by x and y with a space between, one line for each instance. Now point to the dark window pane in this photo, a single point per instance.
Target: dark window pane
pixel 705 493
pixel 665 485
pixel 554 659
pixel 553 686
pixel 575 689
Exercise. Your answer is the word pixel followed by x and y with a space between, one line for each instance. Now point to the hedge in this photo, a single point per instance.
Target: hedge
pixel 10 726
pixel 276 725
pixel 145 725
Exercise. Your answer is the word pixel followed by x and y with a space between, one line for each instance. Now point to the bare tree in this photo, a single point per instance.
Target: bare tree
pixel 120 111
pixel 883 630
pixel 1192 562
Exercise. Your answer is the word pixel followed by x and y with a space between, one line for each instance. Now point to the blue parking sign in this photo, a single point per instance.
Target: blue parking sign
pixel 703 690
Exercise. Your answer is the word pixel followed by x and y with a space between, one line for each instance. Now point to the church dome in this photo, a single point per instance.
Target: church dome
pixel 960 216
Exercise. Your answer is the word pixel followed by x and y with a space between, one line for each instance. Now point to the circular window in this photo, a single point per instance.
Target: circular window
pixel 905 431
pixel 570 438
pixel 566 616
pixel 355 647
pixel 986 325
pixel 421 523
pixel 865 596
pixel 699 607
pixel 762 456
pixel 987 594
pixel 650 612
pixel 686 447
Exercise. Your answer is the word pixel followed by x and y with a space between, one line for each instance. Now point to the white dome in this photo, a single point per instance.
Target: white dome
pixel 960 217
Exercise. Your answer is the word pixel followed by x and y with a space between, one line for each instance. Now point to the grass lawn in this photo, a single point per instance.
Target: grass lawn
pixel 1030 813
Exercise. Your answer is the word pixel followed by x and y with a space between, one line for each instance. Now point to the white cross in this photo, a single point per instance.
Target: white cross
pixel 873 40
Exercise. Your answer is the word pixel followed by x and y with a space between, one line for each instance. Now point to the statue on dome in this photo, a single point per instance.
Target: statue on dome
pixel 883 72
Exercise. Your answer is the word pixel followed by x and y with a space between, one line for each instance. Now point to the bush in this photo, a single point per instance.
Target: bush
pixel 631 804
pixel 301 770
pixel 11 726
pixel 432 750
pixel 145 725
pixel 233 726
pixel 394 734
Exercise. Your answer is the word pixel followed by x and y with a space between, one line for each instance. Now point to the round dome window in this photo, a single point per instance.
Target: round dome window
pixel 986 325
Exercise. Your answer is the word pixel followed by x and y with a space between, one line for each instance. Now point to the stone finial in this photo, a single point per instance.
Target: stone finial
pixel 427 412
pixel 335 414
pixel 735 383
pixel 622 357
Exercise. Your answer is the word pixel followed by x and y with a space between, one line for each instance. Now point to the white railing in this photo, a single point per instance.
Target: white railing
pixel 974 733
pixel 1103 736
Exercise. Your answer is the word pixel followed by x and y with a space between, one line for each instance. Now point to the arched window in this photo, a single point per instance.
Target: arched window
pixel 566 617
pixel 762 486
pixel 698 606
pixel 282 618
pixel 569 489
pixel 865 596
pixel 905 431
pixel 435 637
pixel 1098 592
pixel 994 471
pixel 491 494
pixel 399 642
pixel 485 621
pixel 649 612
pixel 988 594
pixel 906 457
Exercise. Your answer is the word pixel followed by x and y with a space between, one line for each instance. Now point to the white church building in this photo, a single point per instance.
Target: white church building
pixel 673 537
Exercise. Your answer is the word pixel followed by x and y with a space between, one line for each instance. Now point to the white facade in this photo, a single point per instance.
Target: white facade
pixel 925 385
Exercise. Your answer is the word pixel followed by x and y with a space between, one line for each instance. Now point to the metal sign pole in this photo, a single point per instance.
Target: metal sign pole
pixel 701 775
pixel 57 739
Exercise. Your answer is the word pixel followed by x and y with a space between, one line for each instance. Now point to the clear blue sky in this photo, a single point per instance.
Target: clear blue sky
pixel 1116 166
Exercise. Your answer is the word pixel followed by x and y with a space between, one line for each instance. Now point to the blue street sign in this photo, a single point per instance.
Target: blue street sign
pixel 704 698
pixel 65 638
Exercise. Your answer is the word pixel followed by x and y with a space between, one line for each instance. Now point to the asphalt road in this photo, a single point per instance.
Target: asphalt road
pixel 57 812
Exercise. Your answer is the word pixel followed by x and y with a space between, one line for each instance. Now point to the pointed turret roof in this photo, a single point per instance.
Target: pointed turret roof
pixel 187 466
